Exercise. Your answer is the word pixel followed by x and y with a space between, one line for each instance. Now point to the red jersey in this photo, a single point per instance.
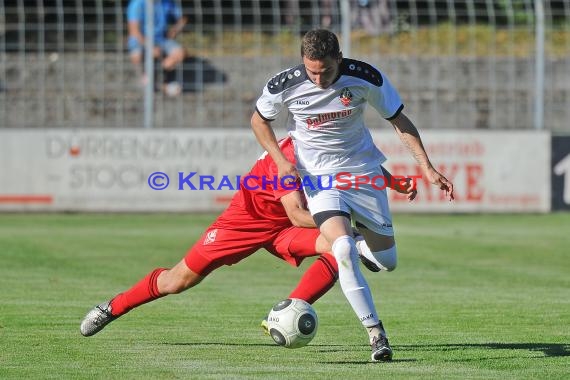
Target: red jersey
pixel 257 203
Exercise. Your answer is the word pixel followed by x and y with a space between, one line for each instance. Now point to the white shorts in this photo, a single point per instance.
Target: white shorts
pixel 366 203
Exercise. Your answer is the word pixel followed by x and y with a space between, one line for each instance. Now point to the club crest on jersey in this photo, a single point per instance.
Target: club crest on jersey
pixel 210 236
pixel 345 97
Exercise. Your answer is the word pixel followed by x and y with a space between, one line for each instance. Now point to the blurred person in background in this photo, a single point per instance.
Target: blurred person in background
pixel 372 15
pixel 300 13
pixel 168 23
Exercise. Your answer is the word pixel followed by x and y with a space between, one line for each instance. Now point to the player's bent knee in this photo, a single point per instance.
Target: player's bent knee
pixel 387 258
pixel 341 249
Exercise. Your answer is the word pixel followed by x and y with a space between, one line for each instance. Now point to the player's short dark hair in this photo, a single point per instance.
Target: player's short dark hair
pixel 319 44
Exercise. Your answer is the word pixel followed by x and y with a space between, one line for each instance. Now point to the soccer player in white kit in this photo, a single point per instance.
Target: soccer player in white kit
pixel 325 98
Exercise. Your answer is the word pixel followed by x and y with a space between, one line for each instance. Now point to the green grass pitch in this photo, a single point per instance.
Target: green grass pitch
pixel 474 296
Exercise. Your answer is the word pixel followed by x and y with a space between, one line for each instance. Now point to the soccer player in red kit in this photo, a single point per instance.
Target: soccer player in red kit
pixel 262 214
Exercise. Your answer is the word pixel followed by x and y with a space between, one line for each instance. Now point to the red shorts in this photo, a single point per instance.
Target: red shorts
pixel 220 246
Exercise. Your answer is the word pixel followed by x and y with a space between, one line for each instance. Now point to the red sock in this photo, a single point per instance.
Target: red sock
pixel 144 291
pixel 317 280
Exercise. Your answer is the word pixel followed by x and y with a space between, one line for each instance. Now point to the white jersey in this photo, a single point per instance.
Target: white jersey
pixel 327 125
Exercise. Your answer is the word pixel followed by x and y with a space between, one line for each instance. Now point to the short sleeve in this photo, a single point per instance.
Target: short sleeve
pixel 135 10
pixel 385 99
pixel 281 190
pixel 269 105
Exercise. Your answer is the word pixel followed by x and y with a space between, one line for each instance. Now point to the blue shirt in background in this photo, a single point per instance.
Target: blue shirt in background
pixel 165 13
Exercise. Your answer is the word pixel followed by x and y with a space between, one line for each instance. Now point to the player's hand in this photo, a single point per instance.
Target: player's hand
pixel 440 181
pixel 406 186
pixel 289 171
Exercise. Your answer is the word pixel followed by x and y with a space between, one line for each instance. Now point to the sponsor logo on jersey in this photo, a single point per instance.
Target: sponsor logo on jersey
pixel 316 122
pixel 345 97
pixel 302 102
pixel 210 236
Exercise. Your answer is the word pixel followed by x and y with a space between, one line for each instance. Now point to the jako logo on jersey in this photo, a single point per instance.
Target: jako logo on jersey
pixel 315 122
pixel 210 236
pixel 302 102
pixel 345 97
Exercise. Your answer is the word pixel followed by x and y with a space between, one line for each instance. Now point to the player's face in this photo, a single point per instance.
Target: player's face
pixel 322 72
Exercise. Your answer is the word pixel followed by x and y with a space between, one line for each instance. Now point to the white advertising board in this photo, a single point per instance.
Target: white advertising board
pixel 112 170
pixel 109 170
pixel 492 171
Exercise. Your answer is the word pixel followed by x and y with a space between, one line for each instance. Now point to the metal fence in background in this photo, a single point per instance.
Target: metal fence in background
pixel 457 64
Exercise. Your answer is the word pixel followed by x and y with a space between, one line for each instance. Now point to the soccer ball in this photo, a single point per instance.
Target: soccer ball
pixel 292 323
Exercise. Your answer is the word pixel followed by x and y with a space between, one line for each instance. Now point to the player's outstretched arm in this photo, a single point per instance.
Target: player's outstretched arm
pixel 403 185
pixel 266 138
pixel 410 136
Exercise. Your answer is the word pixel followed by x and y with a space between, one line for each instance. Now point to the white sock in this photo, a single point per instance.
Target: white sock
pixel 352 282
pixel 385 260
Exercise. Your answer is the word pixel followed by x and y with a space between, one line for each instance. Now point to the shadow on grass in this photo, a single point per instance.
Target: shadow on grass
pixel 319 348
pixel 336 347
pixel 198 344
pixel 549 349
pixel 369 362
